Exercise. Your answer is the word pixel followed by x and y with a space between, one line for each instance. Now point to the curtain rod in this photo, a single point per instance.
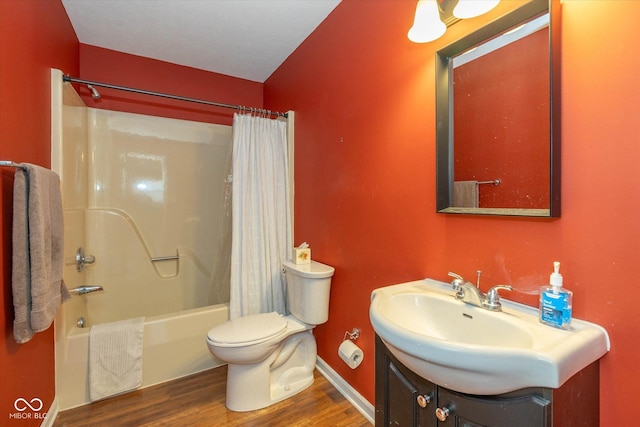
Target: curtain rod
pixel 67 78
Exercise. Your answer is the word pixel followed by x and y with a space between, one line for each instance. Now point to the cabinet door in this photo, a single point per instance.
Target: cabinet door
pixel 402 397
pixel 410 402
pixel 402 410
pixel 485 411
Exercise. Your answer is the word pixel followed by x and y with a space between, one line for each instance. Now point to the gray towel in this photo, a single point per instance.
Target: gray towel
pixel 38 289
pixel 465 194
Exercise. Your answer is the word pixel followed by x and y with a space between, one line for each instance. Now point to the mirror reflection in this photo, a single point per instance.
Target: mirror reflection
pixel 495 144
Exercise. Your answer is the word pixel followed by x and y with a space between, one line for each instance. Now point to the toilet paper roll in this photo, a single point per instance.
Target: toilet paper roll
pixel 350 354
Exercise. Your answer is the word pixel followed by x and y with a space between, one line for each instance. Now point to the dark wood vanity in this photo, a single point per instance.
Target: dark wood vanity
pixel 405 399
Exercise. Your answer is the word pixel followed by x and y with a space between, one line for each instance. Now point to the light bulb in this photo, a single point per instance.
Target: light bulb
pixel 471 8
pixel 427 25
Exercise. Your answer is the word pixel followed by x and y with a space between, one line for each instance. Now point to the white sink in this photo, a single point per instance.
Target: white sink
pixel 473 350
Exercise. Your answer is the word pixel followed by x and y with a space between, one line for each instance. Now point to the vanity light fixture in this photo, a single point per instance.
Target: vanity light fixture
pixel 434 16
pixel 427 25
pixel 471 8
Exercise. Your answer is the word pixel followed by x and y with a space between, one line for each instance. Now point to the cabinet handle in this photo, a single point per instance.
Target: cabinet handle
pixel 442 413
pixel 423 400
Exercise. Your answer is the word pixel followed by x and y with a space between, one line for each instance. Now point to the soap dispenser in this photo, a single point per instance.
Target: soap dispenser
pixel 556 301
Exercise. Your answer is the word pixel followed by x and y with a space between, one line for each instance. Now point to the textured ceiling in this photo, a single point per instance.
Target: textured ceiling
pixel 248 39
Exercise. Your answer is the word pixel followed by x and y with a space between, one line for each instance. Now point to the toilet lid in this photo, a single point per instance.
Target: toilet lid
pixel 248 329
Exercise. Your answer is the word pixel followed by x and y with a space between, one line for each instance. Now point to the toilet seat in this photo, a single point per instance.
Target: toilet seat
pixel 248 330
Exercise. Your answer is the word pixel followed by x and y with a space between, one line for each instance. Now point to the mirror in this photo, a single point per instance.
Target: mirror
pixel 498 117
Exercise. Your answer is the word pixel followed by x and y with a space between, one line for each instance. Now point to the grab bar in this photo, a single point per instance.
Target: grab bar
pixel 165 258
pixel 85 290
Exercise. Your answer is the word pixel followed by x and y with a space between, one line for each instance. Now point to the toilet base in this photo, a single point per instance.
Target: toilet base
pixel 288 371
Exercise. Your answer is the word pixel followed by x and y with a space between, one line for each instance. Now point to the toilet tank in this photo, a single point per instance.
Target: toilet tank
pixel 308 288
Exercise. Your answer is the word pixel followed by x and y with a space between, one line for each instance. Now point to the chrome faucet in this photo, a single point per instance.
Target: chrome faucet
pixel 85 290
pixel 469 293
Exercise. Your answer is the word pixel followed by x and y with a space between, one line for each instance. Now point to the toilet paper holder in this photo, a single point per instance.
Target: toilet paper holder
pixel 353 335
pixel 348 351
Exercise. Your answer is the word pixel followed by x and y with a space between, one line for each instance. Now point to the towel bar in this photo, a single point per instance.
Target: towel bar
pixel 11 164
pixel 493 181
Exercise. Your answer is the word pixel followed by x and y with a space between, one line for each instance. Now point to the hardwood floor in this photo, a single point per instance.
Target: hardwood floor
pixel 199 400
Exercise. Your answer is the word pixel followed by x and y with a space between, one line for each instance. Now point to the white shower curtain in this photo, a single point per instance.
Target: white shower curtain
pixel 261 215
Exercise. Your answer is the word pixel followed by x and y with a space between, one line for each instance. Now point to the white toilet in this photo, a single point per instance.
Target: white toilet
pixel 272 357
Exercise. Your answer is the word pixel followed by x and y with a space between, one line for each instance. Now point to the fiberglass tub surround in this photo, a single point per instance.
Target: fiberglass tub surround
pixel 474 350
pixel 146 197
pixel 155 213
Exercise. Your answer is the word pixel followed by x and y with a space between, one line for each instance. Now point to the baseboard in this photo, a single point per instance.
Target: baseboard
pixel 356 399
pixel 52 414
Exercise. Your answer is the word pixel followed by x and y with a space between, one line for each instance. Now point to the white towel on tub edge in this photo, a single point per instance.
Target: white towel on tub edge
pixel 115 357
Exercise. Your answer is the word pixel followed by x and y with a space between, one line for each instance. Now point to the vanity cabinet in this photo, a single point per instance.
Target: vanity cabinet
pixel 405 399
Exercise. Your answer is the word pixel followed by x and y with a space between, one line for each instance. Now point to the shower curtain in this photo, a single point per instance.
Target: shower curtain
pixel 261 231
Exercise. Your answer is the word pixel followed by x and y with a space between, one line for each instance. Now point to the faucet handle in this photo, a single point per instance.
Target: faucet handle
pixel 455 275
pixel 492 301
pixel 457 282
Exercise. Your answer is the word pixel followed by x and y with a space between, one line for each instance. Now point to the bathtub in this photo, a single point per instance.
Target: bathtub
pixel 174 346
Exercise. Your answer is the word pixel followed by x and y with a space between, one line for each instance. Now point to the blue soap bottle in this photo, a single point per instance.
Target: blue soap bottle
pixel 556 301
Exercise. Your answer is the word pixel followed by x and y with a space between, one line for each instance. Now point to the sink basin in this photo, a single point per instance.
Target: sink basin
pixel 473 350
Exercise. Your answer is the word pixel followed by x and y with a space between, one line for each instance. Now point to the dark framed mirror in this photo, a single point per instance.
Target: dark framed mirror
pixel 498 117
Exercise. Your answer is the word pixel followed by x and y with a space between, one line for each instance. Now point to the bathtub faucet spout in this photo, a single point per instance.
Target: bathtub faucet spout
pixel 85 290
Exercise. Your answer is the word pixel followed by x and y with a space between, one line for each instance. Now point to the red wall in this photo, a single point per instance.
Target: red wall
pixel 121 69
pixel 365 167
pixel 34 36
pixel 365 178
pixel 502 129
